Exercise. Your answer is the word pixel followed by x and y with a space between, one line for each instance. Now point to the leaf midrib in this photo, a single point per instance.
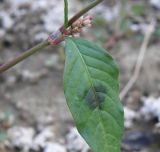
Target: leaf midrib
pixel 86 69
pixel 89 76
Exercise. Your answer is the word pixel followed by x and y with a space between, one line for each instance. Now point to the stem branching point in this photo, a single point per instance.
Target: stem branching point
pixel 53 39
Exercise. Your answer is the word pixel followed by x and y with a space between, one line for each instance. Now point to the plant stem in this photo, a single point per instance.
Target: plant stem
pixel 46 43
pixel 25 55
pixel 65 13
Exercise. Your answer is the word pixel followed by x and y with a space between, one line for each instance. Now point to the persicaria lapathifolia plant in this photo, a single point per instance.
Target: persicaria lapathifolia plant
pixel 91 84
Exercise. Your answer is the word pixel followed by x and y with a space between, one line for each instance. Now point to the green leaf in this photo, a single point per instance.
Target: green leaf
pixel 65 13
pixel 91 89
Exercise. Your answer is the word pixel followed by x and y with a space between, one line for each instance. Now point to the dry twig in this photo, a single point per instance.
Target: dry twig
pixel 139 63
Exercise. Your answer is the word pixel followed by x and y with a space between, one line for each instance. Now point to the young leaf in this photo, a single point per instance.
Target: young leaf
pixel 65 13
pixel 91 88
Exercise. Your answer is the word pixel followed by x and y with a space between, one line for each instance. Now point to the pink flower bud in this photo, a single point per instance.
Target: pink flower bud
pixel 88 18
pixel 76 23
pixel 86 22
pixel 75 30
pixel 82 17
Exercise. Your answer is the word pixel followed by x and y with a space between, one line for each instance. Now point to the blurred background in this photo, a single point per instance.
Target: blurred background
pixel 34 116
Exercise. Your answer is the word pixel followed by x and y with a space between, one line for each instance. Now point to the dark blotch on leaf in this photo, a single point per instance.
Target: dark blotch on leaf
pixel 95 97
